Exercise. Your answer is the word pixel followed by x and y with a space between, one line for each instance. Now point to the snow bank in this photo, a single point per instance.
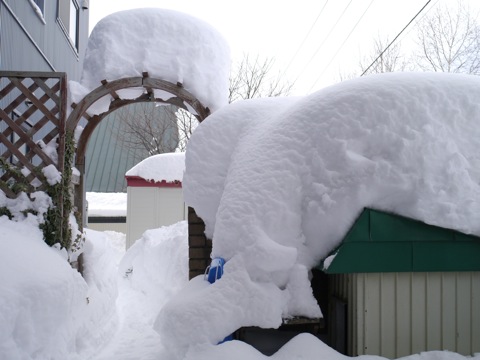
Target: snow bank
pixel 158 261
pixel 151 272
pixel 167 167
pixel 47 310
pixel 43 300
pixel 169 45
pixel 279 186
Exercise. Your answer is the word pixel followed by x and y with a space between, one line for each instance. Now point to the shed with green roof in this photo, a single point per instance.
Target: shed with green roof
pixel 398 286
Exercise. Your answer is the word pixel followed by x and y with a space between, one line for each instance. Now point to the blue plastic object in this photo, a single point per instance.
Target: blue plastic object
pixel 215 271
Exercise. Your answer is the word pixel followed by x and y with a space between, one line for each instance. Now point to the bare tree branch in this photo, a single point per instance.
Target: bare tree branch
pixel 252 78
pixel 145 126
pixel 160 129
pixel 449 41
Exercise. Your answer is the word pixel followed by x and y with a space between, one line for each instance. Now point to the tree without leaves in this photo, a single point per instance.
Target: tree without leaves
pixel 186 124
pixel 249 79
pixel 382 60
pixel 147 127
pixel 449 41
pixel 379 60
pixel 253 79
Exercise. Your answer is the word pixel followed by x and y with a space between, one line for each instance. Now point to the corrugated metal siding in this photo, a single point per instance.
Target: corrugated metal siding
pixel 397 314
pixel 23 29
pixel 108 158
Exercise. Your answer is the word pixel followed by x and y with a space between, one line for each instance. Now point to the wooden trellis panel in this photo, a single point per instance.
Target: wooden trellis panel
pixel 32 119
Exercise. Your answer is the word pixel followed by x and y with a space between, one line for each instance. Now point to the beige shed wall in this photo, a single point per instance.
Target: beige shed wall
pixel 398 314
pixel 151 208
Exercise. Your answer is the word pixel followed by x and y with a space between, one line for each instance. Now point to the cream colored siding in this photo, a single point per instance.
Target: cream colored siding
pixel 398 314
pixel 151 208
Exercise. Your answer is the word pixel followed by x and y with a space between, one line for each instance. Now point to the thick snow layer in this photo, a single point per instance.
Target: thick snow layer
pixel 169 45
pixel 167 167
pixel 48 311
pixel 279 186
pixel 107 204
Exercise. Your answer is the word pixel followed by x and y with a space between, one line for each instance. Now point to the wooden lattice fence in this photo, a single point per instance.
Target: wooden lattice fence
pixel 33 122
pixel 32 125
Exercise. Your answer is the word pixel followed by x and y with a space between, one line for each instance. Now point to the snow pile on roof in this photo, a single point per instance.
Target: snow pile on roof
pixel 107 204
pixel 167 167
pixel 169 45
pixel 278 186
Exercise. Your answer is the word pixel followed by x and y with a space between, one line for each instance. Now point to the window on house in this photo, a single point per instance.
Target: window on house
pixel 39 8
pixel 41 5
pixel 68 14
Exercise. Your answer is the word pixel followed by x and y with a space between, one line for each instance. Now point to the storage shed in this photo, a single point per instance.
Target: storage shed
pixel 154 194
pixel 398 286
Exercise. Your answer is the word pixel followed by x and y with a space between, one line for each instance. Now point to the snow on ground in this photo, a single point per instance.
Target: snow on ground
pixel 48 311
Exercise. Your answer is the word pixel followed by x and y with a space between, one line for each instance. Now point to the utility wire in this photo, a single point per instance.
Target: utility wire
pixel 305 38
pixel 423 16
pixel 323 42
pixel 396 37
pixel 341 46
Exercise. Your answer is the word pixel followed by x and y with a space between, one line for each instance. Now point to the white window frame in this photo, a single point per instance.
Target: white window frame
pixel 39 8
pixel 68 10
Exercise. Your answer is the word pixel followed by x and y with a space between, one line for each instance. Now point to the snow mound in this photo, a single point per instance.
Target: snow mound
pixel 169 45
pixel 405 143
pixel 167 167
pixel 279 182
pixel 43 300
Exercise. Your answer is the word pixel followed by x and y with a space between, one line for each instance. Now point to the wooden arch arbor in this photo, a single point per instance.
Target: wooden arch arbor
pixel 33 108
pixel 179 97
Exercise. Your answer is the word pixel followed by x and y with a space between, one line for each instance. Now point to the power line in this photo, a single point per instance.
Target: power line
pixel 423 16
pixel 396 37
pixel 305 38
pixel 342 45
pixel 323 42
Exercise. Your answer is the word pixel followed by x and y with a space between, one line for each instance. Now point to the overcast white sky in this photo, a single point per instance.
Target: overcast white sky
pixel 337 32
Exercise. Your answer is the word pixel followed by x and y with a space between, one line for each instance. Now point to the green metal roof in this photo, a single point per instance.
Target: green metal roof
pixel 383 242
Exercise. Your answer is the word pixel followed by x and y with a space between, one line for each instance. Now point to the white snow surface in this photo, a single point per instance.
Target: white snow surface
pixel 167 167
pixel 279 182
pixel 296 179
pixel 169 45
pixel 107 204
pixel 48 311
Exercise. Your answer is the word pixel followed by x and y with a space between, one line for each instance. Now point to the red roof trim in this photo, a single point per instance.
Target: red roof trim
pixel 136 181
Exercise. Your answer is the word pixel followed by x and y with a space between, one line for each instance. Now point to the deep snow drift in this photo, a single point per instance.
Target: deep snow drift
pixel 47 311
pixel 279 182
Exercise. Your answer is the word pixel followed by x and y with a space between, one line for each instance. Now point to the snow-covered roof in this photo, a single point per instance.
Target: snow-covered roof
pixel 298 175
pixel 279 182
pixel 167 167
pixel 167 44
